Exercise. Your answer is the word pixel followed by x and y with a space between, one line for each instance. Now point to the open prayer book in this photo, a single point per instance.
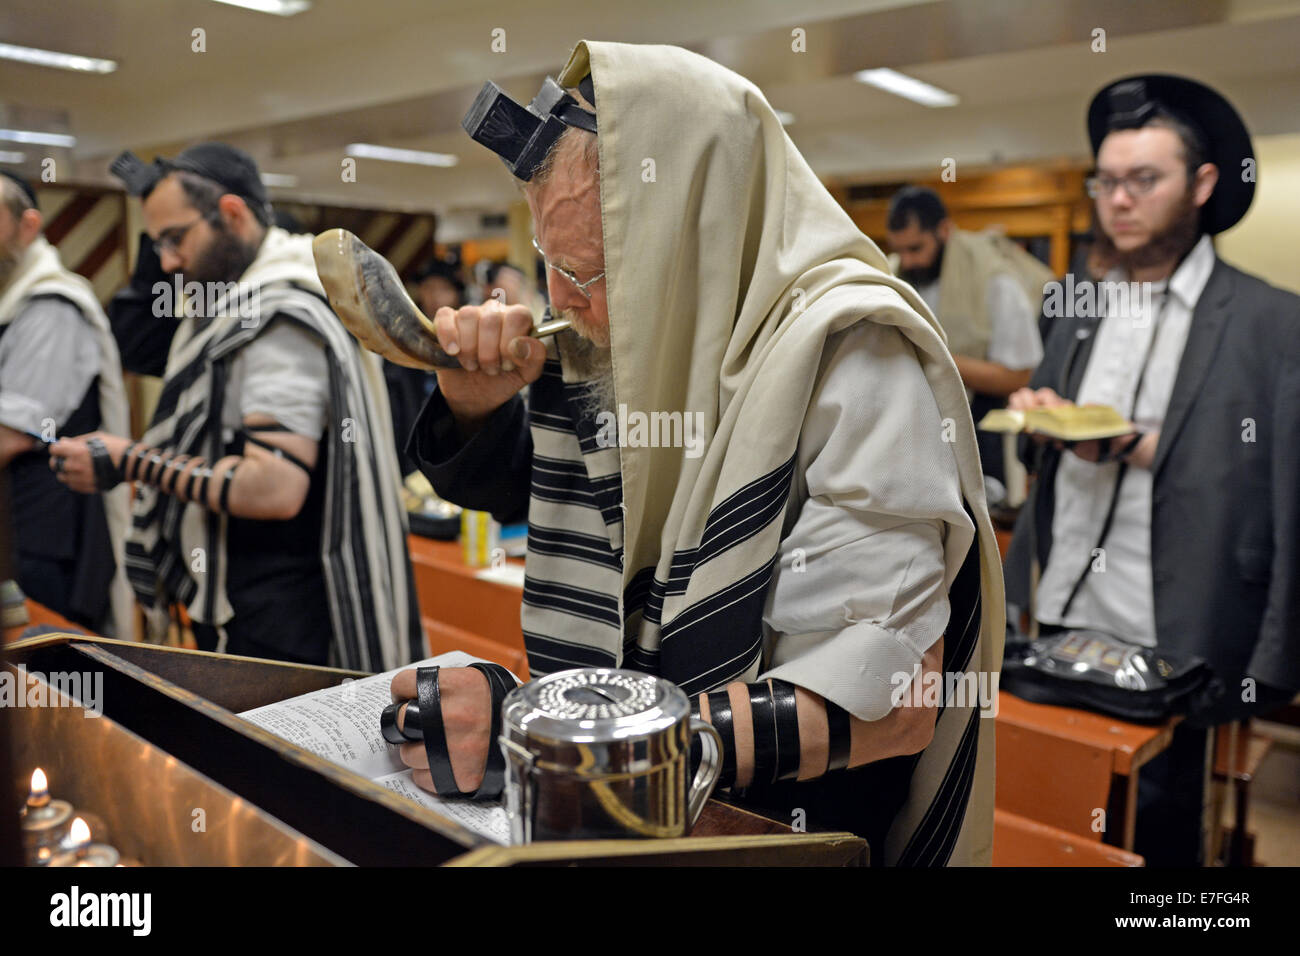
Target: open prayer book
pixel 341 724
pixel 1065 422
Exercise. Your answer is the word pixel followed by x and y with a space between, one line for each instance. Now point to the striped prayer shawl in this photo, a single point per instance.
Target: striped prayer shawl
pixel 363 537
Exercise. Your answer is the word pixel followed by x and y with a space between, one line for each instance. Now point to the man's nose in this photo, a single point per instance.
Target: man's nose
pixel 563 294
pixel 170 261
pixel 1121 197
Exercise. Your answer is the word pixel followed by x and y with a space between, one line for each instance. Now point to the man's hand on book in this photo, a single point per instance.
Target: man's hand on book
pixel 1027 399
pixel 1140 455
pixel 466 721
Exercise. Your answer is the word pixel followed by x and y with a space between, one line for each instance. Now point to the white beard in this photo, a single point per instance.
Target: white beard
pixel 593 365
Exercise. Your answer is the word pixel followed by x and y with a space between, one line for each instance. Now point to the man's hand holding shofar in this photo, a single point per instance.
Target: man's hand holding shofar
pixel 483 354
pixel 497 355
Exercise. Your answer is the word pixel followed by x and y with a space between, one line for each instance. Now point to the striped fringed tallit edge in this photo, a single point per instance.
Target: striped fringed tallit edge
pixel 575 534
pixel 934 826
pixel 363 543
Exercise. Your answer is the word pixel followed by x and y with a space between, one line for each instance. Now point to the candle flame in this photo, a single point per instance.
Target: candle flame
pixel 79 832
pixel 39 783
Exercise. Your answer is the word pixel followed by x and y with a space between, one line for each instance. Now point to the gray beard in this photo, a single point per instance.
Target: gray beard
pixel 594 367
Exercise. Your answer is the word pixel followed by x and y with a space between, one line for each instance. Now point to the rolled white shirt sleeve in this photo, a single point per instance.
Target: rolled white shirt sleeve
pixel 859 591
pixel 48 358
pixel 284 373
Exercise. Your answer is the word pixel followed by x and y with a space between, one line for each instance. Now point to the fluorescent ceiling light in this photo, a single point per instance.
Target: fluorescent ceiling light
pixel 907 87
pixel 785 117
pixel 38 139
pixel 10 157
pixel 281 8
pixel 419 157
pixel 279 179
pixel 63 61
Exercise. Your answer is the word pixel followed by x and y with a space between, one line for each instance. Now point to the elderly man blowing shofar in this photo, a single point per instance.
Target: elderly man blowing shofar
pixel 831 536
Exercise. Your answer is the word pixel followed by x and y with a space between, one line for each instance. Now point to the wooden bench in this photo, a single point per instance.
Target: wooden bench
pixel 1019 841
pixel 1060 766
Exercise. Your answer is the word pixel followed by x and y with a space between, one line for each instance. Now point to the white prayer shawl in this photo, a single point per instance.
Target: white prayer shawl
pixel 363 539
pixel 41 272
pixel 728 266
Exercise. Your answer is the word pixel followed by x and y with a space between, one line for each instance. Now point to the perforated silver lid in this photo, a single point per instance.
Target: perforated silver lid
pixel 594 705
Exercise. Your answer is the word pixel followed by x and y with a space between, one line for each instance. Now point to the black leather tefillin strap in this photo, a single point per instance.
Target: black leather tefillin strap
pixel 107 474
pixel 423 721
pixel 276 450
pixel 774 720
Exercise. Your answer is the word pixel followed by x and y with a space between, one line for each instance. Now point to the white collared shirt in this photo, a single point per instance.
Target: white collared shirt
pixel 1117 596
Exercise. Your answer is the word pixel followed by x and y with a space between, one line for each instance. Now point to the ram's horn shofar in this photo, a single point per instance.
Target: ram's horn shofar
pixel 367 295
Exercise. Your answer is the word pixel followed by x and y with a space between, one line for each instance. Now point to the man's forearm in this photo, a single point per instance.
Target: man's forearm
pixel 488 470
pixel 12 444
pixel 828 737
pixel 250 486
pixel 990 378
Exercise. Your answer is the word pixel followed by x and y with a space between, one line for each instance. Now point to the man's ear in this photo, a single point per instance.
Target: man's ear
pixel 235 213
pixel 1206 178
pixel 943 230
pixel 29 226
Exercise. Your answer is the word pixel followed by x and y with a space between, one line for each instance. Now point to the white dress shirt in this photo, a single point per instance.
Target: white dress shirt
pixel 1116 595
pixel 1014 341
pixel 858 594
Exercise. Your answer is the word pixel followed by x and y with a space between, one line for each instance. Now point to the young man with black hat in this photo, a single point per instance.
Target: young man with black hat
pixel 1197 513
pixel 268 477
pixel 59 374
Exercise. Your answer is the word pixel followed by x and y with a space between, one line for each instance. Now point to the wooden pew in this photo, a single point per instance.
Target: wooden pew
pixel 1018 841
pixel 1059 766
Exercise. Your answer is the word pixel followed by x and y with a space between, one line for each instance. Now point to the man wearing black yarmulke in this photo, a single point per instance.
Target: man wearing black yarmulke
pixel 266 485
pixel 1197 513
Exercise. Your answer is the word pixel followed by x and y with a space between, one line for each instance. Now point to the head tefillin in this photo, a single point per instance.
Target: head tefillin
pixel 232 169
pixel 522 136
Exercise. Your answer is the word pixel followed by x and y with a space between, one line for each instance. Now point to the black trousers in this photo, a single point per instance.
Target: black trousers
pixel 1171 802
pixel 244 641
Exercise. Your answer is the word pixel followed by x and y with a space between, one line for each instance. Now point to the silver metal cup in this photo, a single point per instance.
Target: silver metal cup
pixel 599 753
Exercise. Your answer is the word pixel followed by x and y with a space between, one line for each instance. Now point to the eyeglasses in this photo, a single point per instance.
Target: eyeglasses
pixel 1135 184
pixel 170 239
pixel 573 279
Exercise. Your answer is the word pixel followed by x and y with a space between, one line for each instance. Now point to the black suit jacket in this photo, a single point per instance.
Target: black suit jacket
pixel 1225 510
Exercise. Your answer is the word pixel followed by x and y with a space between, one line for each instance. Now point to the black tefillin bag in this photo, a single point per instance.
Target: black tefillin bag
pixel 1095 671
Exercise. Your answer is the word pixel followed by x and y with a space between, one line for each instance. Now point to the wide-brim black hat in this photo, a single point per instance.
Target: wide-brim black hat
pixel 1124 104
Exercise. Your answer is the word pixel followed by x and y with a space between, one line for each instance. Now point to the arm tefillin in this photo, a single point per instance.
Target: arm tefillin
pixel 774 717
pixel 185 477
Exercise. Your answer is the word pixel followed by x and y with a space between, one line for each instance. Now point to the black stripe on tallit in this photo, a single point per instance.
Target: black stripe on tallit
pixel 572 544
pixel 732 522
pixel 548 654
pixel 351 575
pixel 638 658
pixel 934 839
pixel 720 633
pixel 579 602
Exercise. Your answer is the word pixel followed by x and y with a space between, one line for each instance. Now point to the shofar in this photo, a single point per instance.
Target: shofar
pixel 367 295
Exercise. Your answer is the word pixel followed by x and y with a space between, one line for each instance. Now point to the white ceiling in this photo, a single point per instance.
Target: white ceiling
pixel 294 91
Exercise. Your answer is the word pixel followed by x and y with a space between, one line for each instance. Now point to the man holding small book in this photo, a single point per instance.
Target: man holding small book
pixel 1182 534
